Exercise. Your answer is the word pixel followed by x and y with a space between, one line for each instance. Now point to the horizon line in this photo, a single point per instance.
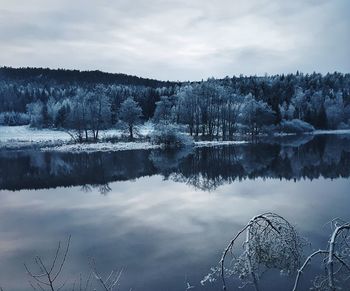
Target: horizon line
pixel 175 81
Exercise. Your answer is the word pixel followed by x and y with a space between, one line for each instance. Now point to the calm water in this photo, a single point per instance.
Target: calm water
pixel 165 217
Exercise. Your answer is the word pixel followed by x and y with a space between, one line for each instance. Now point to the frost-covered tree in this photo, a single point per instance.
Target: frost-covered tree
pixel 98 111
pixel 208 108
pixel 14 118
pixel 334 107
pixel 78 116
pixel 271 242
pixel 298 101
pixel 35 112
pixel 170 136
pixel 61 116
pixel 89 112
pixel 186 106
pixel 287 111
pixel 163 112
pixel 255 114
pixel 130 113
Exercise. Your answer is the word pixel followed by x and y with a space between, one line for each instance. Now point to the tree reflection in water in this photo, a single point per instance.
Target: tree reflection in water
pixel 205 168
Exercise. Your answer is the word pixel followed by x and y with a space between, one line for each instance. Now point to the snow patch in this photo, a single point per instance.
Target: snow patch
pixel 214 143
pixel 337 131
pixel 24 133
pixel 102 147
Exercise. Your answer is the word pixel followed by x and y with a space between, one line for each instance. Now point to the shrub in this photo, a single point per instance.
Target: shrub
pixel 295 126
pixel 269 129
pixel 14 118
pixel 170 136
pixel 344 125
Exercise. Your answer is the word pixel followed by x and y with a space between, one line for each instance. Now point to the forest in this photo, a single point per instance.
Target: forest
pixel 89 101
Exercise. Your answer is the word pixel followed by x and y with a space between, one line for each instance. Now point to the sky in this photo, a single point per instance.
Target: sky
pixel 177 39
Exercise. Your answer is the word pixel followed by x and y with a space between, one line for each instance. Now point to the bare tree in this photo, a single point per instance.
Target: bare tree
pixel 49 273
pixel 110 283
pixel 271 242
pixel 99 110
pixel 336 260
pixel 90 112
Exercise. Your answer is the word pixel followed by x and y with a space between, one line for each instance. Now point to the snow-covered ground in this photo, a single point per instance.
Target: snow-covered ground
pixel 337 131
pixel 124 146
pixel 102 147
pixel 22 137
pixel 25 133
pixel 214 143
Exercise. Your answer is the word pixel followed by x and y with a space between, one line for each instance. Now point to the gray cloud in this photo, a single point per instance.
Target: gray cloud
pixel 177 39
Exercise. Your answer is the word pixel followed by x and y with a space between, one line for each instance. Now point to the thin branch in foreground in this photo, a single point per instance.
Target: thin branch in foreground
pixel 111 281
pixel 308 259
pixel 333 262
pixel 48 274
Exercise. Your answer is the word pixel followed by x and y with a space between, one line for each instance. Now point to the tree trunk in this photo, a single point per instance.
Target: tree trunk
pixel 131 131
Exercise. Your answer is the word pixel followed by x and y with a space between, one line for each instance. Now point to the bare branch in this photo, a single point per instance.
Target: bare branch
pixel 270 242
pixel 55 258
pixel 35 277
pixel 308 259
pixel 111 281
pixel 63 260
pixel 45 278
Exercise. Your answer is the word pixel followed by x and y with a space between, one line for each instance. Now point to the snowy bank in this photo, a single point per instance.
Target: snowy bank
pixel 25 137
pixel 336 131
pixel 101 147
pixel 25 133
pixel 215 143
pixel 125 146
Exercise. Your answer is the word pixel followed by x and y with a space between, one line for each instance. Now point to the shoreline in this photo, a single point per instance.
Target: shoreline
pixel 16 138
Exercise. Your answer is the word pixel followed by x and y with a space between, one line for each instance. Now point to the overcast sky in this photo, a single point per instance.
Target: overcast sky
pixel 177 39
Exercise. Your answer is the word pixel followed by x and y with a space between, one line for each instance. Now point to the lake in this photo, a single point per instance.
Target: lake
pixel 166 216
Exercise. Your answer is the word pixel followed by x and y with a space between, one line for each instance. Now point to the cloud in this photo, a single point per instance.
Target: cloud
pixel 177 39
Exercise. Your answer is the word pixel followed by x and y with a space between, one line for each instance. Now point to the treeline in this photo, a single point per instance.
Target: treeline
pixel 287 103
pixel 48 77
pixel 93 100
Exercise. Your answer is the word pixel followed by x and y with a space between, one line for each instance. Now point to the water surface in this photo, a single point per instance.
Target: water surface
pixel 165 217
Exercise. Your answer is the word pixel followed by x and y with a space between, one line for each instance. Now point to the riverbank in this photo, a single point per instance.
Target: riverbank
pixel 25 137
